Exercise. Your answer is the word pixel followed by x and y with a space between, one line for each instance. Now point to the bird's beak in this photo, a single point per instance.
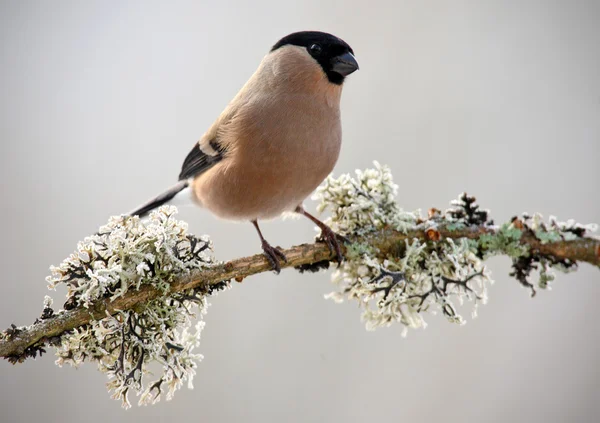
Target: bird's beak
pixel 344 64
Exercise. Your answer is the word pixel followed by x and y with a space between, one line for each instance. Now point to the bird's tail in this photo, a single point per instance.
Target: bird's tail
pixel 163 198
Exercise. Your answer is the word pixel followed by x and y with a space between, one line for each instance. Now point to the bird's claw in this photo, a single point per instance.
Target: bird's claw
pixel 273 255
pixel 332 240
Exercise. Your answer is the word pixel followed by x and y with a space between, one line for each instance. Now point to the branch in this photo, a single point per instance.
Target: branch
pixel 135 286
pixel 388 242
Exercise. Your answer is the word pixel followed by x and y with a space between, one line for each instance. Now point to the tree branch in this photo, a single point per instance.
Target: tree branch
pixel 15 342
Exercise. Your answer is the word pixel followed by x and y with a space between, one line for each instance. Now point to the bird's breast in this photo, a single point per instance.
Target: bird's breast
pixel 282 149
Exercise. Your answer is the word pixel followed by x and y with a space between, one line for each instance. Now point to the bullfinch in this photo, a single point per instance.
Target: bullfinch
pixel 275 142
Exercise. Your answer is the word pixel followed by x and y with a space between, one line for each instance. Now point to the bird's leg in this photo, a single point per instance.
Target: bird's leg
pixel 272 254
pixel 327 235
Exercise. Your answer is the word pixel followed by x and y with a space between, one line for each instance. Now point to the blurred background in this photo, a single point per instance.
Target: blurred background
pixel 102 100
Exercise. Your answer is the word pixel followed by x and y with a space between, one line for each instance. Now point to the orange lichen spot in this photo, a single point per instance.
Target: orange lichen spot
pixel 433 234
pixel 518 223
pixel 239 279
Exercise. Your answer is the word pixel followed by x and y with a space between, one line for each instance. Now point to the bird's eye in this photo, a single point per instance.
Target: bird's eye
pixel 315 49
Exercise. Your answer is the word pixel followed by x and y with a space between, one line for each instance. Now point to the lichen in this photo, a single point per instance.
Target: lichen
pixel 431 274
pixel 125 255
pixel 401 290
pixel 546 232
pixel 506 240
pixel 428 276
pixel 438 266
pixel 362 204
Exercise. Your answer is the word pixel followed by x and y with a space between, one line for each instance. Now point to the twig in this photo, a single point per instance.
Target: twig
pixel 16 341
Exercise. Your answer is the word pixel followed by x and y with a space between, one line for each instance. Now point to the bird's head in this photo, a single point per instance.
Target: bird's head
pixel 333 55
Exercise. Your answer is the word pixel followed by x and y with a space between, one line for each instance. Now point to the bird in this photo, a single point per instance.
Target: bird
pixel 275 142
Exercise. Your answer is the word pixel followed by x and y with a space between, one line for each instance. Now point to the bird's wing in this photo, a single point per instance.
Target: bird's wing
pixel 213 145
pixel 201 158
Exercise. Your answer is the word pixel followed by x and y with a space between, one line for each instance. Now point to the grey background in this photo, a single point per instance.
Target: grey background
pixel 101 101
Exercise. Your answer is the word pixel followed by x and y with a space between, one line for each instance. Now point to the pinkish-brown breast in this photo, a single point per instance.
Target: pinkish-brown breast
pixel 282 143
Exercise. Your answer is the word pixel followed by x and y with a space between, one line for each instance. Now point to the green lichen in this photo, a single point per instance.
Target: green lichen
pixel 359 249
pixel 456 226
pixel 546 274
pixel 548 236
pixel 505 241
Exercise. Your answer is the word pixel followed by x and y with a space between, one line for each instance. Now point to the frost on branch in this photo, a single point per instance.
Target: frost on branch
pixel 434 274
pixel 125 255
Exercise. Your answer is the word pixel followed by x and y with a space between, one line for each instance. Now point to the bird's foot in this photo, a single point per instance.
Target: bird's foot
pixel 333 241
pixel 273 255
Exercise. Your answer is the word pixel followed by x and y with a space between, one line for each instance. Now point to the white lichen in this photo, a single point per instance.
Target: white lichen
pixel 48 301
pixel 361 204
pixel 428 275
pixel 398 289
pixel 402 290
pixel 125 255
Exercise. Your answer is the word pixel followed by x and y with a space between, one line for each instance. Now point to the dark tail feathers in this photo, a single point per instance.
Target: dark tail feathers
pixel 160 200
